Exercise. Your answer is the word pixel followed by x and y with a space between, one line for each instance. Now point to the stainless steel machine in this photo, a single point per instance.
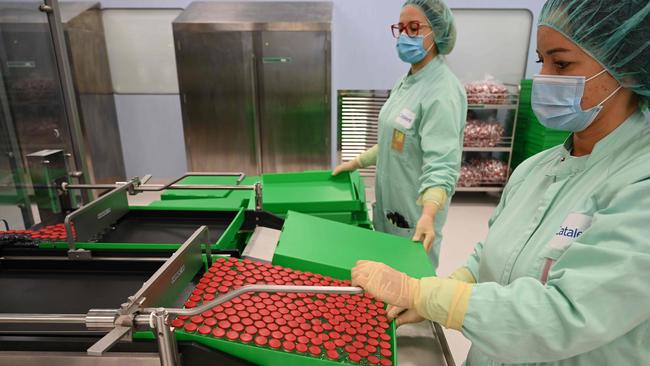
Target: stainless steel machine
pixel 254 82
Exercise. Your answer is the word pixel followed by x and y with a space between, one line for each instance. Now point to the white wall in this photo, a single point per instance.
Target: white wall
pixel 363 55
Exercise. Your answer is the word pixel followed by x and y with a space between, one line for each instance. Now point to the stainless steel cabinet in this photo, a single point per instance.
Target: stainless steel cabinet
pixel 254 80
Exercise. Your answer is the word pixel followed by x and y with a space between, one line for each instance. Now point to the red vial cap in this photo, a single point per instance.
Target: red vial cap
pixel 197 319
pixel 288 346
pixel 234 319
pixel 328 326
pixel 221 316
pixel 350 349
pixel 316 341
pixel 190 304
pixel 183 317
pixel 264 332
pixel 373 334
pixel 386 353
pixel 332 355
pixel 245 337
pixel 305 326
pixel 210 322
pixel 204 329
pixel 274 343
pixel 208 297
pixel 190 327
pixel 290 337
pixel 314 350
pixel 261 341
pixel 384 345
pixel 334 335
pixel 347 338
pixel 361 338
pixel 373 360
pixel 357 345
pixel 224 324
pixel 339 342
pixel 329 345
pixel 386 362
pixel 232 335
pixel 177 323
pixel 373 342
pixel 247 321
pixel 280 321
pixel 303 340
pixel 385 337
pixel 230 311
pixel 285 330
pixel 371 349
pixel 302 348
pixel 238 327
pixel 354 357
pixel 277 335
pixel 324 337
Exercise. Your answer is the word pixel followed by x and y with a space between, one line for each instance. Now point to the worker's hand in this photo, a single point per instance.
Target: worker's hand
pixel 410 316
pixel 385 283
pixel 424 231
pixel 348 166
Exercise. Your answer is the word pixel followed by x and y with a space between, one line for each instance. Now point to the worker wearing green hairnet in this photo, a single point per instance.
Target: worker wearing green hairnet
pixel 420 131
pixel 563 275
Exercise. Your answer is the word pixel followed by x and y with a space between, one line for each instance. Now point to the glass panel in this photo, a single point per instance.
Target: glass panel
pixel 32 117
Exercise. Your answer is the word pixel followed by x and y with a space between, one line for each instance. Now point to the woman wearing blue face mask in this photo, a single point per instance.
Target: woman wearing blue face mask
pixel 563 275
pixel 420 130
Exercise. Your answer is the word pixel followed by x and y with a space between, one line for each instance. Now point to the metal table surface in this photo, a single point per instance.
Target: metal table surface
pixel 422 344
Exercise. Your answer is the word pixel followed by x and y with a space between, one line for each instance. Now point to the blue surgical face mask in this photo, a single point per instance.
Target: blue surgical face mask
pixel 556 102
pixel 411 49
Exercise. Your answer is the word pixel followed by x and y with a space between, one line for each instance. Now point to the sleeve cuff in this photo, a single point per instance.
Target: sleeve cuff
pixel 436 195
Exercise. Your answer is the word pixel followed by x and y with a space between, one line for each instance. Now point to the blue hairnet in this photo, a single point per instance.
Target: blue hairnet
pixel 441 20
pixel 615 33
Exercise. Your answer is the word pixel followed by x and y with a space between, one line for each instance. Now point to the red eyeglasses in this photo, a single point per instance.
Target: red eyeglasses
pixel 412 28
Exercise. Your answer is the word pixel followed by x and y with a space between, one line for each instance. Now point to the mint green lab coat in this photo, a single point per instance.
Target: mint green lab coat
pixel 429 110
pixel 564 273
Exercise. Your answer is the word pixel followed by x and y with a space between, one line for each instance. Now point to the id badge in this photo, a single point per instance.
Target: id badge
pixel 398 140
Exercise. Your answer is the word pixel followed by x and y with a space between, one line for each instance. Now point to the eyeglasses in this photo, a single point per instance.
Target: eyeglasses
pixel 412 28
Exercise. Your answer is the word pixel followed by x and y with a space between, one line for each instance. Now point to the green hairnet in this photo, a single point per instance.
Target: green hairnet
pixel 441 20
pixel 616 33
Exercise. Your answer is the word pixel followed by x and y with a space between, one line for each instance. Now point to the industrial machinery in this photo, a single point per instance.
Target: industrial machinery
pixel 221 281
pixel 239 68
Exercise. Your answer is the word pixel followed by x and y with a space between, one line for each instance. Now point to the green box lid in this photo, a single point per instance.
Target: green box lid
pixel 330 248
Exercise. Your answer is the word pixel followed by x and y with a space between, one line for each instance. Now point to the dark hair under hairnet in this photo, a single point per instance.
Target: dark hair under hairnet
pixel 614 32
pixel 441 21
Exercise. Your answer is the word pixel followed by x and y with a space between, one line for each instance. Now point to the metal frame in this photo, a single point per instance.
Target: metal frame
pixel 114 204
pixel 52 10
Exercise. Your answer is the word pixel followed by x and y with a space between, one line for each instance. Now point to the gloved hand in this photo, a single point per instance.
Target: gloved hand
pixel 410 316
pixel 442 300
pixel 348 166
pixel 385 283
pixel 425 231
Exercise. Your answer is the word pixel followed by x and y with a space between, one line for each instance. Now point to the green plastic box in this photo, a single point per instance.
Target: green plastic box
pixel 312 191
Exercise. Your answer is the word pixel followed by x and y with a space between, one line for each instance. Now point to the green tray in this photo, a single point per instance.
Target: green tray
pixel 330 248
pixel 312 191
pixel 232 202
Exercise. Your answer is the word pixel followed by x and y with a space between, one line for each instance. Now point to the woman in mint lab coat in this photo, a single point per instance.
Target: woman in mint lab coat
pixel 421 127
pixel 563 276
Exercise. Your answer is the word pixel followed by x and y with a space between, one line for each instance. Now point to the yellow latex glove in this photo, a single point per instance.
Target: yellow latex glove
pixel 364 160
pixel 425 231
pixel 385 283
pixel 463 274
pixel 348 166
pixel 402 317
pixel 444 300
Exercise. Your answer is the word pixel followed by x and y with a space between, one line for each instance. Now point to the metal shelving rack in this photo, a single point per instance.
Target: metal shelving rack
pixel 506 114
pixel 358 114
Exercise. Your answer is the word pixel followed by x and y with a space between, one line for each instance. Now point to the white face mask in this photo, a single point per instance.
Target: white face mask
pixel 556 102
